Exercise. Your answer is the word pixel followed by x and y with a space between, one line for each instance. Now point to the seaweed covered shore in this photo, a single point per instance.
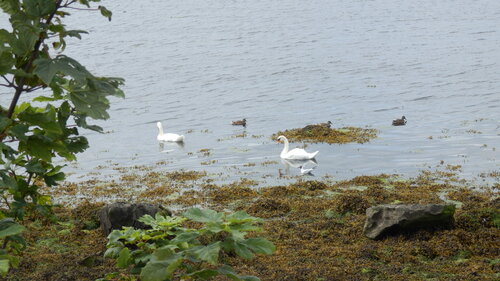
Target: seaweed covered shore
pixel 315 225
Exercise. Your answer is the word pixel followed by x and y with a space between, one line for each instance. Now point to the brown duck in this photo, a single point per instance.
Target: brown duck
pixel 318 126
pixel 242 122
pixel 399 122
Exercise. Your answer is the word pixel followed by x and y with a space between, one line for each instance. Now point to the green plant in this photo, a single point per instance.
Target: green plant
pixel 169 250
pixel 12 243
pixel 42 127
pixel 33 134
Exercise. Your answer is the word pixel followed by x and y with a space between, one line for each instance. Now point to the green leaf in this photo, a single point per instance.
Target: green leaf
pixel 24 42
pixel 19 131
pixel 242 250
pixel 260 245
pixel 185 237
pixel 9 228
pixel 204 274
pixel 241 216
pixel 161 270
pixel 123 258
pixel 46 69
pixel 45 118
pixel 34 167
pixel 7 61
pixel 203 215
pixel 91 104
pixel 4 263
pixel 75 33
pixel 112 252
pixel 77 144
pixel 4 122
pixel 39 146
pixel 39 8
pixel 105 12
pixel 9 6
pixel 209 253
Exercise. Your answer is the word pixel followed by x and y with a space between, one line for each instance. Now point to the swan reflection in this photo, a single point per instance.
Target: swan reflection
pixel 170 146
pixel 305 166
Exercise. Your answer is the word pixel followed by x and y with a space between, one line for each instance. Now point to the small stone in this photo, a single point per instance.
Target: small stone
pixel 117 215
pixel 383 220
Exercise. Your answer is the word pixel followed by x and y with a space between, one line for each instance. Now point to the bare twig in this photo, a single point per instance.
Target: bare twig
pixel 81 9
pixel 7 80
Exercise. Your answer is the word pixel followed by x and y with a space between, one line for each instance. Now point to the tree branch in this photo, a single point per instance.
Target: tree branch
pixel 81 9
pixel 27 67
pixel 7 80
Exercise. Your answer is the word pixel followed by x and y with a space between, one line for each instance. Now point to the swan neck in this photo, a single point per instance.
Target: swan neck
pixel 285 148
pixel 160 128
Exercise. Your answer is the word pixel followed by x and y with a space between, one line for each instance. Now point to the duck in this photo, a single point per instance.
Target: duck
pixel 168 136
pixel 399 122
pixel 326 124
pixel 242 122
pixel 296 153
pixel 323 126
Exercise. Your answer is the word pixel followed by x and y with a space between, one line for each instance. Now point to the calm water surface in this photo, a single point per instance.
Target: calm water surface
pixel 197 65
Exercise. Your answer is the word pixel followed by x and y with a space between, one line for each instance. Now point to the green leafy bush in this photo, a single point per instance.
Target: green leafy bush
pixel 33 134
pixel 44 127
pixel 169 250
pixel 12 243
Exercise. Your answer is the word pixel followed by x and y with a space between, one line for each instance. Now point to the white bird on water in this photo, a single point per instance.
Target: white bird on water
pixel 168 136
pixel 296 153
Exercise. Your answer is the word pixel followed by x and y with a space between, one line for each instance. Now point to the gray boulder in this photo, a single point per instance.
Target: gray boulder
pixel 383 220
pixel 117 215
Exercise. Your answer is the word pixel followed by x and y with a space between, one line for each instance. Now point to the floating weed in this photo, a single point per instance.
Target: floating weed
pixel 204 152
pixel 209 162
pixel 319 133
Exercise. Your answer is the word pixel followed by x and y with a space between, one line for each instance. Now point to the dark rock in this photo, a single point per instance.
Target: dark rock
pixel 383 220
pixel 117 215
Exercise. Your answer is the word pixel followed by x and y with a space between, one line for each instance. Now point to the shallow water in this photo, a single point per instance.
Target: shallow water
pixel 198 65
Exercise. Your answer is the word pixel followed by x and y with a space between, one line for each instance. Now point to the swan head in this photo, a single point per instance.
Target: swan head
pixel 158 124
pixel 281 138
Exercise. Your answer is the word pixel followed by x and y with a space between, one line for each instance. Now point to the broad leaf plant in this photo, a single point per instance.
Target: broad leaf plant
pixel 168 250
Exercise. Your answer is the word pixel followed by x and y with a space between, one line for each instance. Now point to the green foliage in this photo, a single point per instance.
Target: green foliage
pixel 12 243
pixel 33 134
pixel 168 250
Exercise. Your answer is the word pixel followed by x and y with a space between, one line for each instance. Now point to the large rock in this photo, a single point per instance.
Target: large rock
pixel 117 215
pixel 383 220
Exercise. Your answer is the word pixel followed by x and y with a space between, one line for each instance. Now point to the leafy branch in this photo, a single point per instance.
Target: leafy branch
pixel 32 136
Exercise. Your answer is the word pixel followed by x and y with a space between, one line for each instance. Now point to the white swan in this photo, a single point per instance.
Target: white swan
pixel 168 137
pixel 296 153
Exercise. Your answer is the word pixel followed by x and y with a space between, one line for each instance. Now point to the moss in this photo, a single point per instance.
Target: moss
pixel 320 133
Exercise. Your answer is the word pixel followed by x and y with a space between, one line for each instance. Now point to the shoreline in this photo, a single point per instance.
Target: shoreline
pixel 316 226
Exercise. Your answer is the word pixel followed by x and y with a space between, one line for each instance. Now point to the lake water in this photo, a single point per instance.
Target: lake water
pixel 281 64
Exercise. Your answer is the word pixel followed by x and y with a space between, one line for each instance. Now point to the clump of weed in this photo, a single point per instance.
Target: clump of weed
pixel 185 175
pixel 268 208
pixel 310 185
pixel 351 201
pixel 319 133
